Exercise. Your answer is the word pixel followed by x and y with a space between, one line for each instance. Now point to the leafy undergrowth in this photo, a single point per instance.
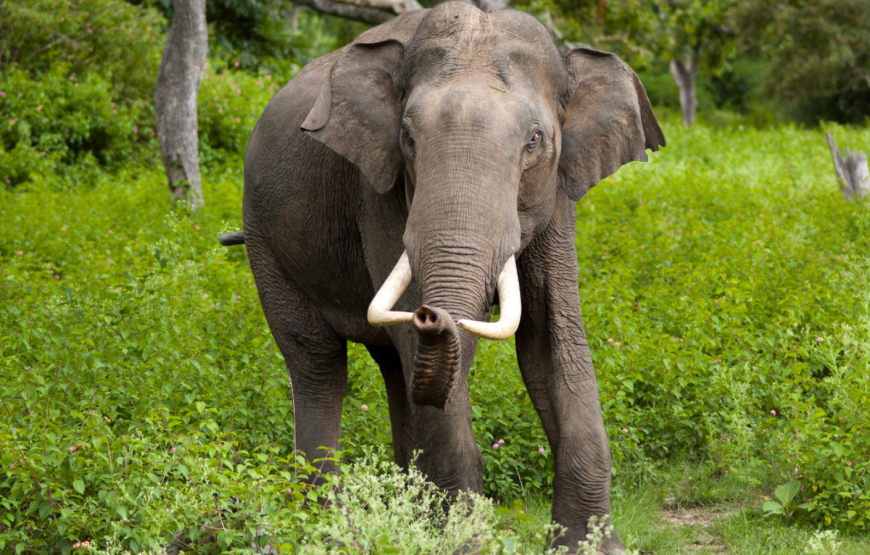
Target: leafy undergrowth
pixel 723 286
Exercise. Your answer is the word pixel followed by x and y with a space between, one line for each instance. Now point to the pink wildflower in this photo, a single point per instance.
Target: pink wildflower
pixel 625 430
pixel 495 445
pixel 610 340
pixel 820 339
pixel 364 407
pixel 172 450
pixel 773 412
pixel 72 448
pixel 542 450
pixel 2 93
pixel 196 227
pixel 19 253
pixel 39 108
pixel 848 464
pixel 501 441
pixel 236 64
pixel 63 228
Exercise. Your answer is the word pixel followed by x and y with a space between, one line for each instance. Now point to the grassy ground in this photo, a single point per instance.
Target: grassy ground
pixel 684 509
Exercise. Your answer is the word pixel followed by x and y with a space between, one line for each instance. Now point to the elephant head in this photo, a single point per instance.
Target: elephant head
pixel 484 124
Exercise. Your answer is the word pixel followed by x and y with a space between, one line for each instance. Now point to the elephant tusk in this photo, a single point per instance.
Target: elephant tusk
pixel 510 307
pixel 380 312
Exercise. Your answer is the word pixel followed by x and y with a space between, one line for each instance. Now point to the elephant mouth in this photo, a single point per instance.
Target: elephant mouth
pixel 438 356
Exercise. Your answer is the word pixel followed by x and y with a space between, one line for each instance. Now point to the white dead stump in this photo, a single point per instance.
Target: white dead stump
pixel 851 169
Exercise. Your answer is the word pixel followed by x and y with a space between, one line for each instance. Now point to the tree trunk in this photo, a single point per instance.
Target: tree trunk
pixel 175 98
pixel 294 16
pixel 851 169
pixel 684 72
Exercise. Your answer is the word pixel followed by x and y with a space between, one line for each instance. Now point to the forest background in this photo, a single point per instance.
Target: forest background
pixel 723 286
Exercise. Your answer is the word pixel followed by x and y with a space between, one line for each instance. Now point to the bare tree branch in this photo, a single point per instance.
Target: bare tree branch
pixel 357 11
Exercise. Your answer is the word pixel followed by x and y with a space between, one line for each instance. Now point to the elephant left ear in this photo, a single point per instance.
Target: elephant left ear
pixel 358 111
pixel 608 120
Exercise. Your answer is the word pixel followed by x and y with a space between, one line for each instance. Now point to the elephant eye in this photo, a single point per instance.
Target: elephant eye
pixel 536 138
pixel 406 134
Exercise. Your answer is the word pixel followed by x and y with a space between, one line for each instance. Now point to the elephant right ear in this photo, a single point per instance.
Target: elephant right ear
pixel 608 120
pixel 358 112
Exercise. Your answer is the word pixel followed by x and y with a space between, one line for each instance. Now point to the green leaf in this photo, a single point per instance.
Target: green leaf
pixel 79 485
pixel 772 508
pixel 786 492
pixel 508 545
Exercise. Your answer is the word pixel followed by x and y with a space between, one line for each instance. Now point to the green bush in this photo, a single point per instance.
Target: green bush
pixel 62 124
pixel 120 42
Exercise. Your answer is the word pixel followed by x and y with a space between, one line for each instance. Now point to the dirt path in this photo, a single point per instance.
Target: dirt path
pixel 699 519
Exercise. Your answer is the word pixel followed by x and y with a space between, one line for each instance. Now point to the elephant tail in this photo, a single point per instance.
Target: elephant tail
pixel 233 238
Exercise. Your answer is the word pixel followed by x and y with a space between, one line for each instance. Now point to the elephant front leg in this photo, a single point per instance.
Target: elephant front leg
pixel 556 364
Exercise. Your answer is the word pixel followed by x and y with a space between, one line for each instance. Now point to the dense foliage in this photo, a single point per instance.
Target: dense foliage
pixel 819 54
pixel 808 58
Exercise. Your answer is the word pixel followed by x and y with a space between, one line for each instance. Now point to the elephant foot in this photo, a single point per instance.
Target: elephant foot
pixel 605 540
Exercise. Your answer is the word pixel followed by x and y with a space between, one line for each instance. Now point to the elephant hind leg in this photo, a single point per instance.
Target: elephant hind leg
pixel 397 395
pixel 316 357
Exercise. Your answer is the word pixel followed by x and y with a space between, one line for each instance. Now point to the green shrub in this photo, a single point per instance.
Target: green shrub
pixel 62 124
pixel 121 42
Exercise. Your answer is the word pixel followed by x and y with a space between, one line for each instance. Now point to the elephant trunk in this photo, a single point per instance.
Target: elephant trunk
pixel 437 361
pixel 451 286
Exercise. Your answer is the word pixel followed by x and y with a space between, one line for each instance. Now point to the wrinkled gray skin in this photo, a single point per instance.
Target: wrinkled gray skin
pixel 421 135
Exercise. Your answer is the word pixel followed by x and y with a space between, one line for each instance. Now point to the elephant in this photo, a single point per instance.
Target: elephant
pixel 400 188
